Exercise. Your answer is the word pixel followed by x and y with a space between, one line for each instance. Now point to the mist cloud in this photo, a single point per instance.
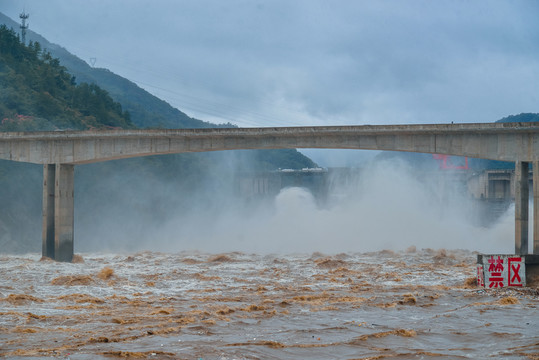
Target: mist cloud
pixel 389 206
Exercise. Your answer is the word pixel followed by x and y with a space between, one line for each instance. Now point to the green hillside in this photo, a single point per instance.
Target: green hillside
pixel 523 117
pixel 146 110
pixel 39 94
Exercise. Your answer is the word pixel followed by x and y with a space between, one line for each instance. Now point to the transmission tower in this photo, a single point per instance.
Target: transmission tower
pixel 24 25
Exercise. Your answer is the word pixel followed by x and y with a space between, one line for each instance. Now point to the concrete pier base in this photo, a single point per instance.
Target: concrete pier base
pixel 58 208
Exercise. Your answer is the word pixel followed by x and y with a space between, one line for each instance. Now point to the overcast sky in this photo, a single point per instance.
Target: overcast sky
pixel 291 62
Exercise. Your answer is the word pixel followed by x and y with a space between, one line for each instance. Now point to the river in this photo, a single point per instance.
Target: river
pixel 411 304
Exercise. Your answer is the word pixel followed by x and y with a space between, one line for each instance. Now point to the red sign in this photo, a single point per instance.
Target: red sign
pixel 514 274
pixel 495 270
pixel 501 270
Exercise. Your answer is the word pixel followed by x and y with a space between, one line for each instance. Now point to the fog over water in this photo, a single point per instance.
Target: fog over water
pixel 389 206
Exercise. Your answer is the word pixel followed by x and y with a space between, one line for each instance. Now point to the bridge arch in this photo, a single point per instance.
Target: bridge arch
pixel 59 152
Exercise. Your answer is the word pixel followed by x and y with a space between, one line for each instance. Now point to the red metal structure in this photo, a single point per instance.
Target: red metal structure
pixel 446 164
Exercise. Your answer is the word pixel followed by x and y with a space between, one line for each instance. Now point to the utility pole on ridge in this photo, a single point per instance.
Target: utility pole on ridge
pixel 24 25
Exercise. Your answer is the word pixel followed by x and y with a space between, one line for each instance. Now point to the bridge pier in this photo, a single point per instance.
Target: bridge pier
pixel 536 207
pixel 58 211
pixel 521 207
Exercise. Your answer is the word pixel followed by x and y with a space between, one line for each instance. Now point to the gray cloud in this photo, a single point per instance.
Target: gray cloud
pixel 311 62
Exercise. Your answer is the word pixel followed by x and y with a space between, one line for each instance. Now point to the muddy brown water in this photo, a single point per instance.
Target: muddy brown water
pixel 405 305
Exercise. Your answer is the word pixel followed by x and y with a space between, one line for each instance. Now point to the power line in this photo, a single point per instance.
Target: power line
pixel 221 110
pixel 213 108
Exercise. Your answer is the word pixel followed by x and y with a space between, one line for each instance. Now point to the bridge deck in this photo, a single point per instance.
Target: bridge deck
pixel 497 141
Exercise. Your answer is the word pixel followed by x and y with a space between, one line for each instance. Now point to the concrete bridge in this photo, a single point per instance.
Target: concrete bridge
pixel 60 151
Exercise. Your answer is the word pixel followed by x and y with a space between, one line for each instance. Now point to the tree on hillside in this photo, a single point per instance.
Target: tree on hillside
pixel 37 90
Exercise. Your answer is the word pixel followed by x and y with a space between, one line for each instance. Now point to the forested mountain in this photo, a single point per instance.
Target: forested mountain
pixel 145 109
pixel 523 117
pixel 39 94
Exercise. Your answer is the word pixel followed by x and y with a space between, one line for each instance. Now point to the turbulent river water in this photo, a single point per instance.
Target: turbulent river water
pixel 413 304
